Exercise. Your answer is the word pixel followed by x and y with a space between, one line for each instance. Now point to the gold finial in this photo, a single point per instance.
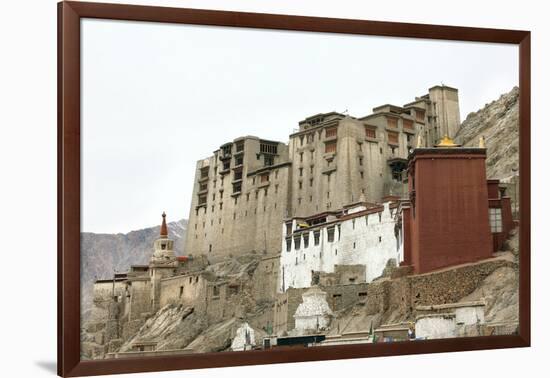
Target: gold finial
pixel 447 142
pixel 482 142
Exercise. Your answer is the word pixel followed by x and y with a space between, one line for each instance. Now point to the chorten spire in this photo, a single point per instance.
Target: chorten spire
pixel 163 228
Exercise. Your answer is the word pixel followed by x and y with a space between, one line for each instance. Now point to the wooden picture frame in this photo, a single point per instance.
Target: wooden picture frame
pixel 69 175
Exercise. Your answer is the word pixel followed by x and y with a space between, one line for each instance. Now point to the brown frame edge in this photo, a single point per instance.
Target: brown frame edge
pixel 69 15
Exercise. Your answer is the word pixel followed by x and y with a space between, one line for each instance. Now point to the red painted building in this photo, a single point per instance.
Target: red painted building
pixel 455 214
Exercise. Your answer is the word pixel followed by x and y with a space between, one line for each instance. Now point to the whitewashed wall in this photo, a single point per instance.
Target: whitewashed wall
pixel 470 315
pixel 436 326
pixel 371 243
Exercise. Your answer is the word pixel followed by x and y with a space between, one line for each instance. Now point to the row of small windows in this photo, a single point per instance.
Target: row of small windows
pixel 310 137
pixel 317 233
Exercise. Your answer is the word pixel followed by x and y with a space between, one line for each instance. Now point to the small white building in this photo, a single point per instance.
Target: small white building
pixel 449 320
pixel 360 234
pixel 314 313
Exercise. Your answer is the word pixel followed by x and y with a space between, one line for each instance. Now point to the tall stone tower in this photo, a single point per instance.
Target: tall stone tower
pixel 445 111
pixel 162 263
pixel 240 195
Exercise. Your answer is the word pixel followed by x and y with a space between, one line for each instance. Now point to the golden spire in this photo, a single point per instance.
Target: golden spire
pixel 482 142
pixel 447 142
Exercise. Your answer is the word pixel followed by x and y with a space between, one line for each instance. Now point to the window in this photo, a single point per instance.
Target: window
pixel 353 224
pixel 203 186
pixel 237 187
pixel 204 172
pixel 300 185
pixel 331 132
pixel 330 147
pixel 238 160
pixel 316 237
pixel 306 240
pixel 210 248
pixel 264 178
pixel 370 132
pixel 226 164
pixel 310 137
pixel 163 246
pixel 420 115
pixel 238 175
pixel 297 240
pixel 392 122
pixel 202 199
pixel 226 150
pixel 301 170
pixel 408 124
pixel 289 228
pixel 360 161
pixel 288 244
pixel 495 220
pixel 239 146
pixel 301 157
pixel 181 291
pixel 268 160
pixel 310 182
pixel 215 291
pixel 268 147
pixel 330 234
pixel 393 137
pixel 233 290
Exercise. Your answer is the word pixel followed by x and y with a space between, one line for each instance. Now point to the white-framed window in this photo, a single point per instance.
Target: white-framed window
pixel 495 220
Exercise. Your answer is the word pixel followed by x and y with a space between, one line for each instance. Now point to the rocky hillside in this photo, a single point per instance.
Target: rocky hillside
pixel 101 254
pixel 498 123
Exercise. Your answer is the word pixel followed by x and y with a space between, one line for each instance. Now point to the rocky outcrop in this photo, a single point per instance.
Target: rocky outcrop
pixel 498 123
pixel 173 327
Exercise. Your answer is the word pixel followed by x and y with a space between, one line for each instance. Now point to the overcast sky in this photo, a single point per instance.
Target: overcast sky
pixel 158 97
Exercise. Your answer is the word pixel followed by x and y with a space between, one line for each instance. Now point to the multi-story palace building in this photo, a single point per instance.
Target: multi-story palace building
pixel 248 187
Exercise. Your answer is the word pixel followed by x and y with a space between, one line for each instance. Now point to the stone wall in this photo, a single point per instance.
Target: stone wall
pixel 450 285
pixel 185 289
